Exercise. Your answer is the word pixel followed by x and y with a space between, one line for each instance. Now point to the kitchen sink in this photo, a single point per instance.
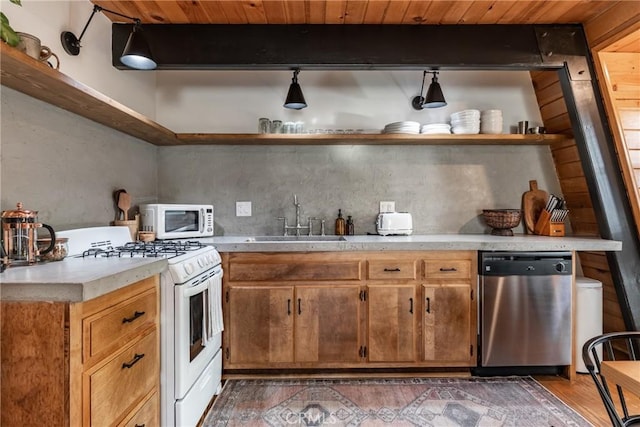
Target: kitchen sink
pixel 297 239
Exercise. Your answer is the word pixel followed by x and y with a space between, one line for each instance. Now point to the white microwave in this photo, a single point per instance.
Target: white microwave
pixel 172 221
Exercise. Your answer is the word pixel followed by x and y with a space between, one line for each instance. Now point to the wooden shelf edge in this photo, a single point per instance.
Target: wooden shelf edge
pixel 363 139
pixel 36 79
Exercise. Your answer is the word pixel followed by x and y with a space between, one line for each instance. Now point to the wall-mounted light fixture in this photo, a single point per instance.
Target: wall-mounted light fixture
pixel 136 53
pixel 295 98
pixel 434 98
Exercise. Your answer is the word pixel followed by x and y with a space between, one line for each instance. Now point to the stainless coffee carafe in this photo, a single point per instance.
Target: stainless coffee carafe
pixel 19 236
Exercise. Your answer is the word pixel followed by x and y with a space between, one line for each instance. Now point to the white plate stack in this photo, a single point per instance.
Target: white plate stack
pixel 403 127
pixel 491 121
pixel 465 122
pixel 436 128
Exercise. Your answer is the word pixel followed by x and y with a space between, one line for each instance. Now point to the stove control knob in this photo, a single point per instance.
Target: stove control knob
pixel 210 258
pixel 188 268
pixel 201 262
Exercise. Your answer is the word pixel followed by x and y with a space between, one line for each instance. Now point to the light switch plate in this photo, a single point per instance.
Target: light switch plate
pixel 387 206
pixel 243 208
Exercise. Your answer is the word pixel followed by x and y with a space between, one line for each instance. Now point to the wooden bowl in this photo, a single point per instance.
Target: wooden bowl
pixel 146 236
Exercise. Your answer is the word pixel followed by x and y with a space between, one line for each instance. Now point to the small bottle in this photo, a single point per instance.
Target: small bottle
pixel 350 228
pixel 340 224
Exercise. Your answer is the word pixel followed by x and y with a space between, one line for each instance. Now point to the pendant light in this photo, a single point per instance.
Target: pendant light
pixel 434 98
pixel 295 98
pixel 136 53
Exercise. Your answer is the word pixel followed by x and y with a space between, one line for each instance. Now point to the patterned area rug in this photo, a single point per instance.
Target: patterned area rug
pixel 503 401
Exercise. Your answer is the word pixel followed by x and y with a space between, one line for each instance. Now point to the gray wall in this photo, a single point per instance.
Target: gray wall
pixel 67 167
pixel 444 187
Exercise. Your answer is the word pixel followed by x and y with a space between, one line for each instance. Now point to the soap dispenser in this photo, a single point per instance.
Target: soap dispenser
pixel 340 224
pixel 350 227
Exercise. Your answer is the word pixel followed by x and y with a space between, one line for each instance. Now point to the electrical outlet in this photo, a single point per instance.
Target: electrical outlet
pixel 387 206
pixel 243 208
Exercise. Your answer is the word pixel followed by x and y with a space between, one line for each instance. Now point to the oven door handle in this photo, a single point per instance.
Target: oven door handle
pixel 202 220
pixel 206 316
pixel 194 290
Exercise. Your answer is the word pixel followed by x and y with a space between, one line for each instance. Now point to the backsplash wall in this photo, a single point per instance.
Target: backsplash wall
pixel 67 167
pixel 444 187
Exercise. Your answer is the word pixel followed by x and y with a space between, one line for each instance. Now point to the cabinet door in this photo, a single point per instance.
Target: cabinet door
pixel 392 318
pixel 327 323
pixel 261 324
pixel 447 323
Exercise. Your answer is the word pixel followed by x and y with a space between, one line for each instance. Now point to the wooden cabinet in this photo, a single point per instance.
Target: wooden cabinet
pixel 349 310
pixel 262 319
pixel 449 309
pixel 392 325
pixel 93 363
pixel 327 325
pixel 291 310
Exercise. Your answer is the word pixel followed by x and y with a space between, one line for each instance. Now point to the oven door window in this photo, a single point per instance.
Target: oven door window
pixel 197 318
pixel 180 220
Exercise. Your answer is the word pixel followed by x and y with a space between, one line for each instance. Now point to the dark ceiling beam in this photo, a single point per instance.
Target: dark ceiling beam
pixel 456 47
pixel 353 47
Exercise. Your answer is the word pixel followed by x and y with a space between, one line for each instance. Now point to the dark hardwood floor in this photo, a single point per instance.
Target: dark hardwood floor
pixel 583 397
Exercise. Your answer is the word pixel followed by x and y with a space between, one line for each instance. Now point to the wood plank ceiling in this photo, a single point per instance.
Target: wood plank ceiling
pixel 430 12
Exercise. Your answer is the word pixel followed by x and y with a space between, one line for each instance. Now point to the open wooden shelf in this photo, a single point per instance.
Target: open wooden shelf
pixel 35 78
pixel 363 139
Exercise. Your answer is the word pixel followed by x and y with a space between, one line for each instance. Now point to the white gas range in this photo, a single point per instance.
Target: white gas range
pixel 190 315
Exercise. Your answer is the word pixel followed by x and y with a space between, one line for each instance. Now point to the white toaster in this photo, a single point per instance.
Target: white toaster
pixel 394 223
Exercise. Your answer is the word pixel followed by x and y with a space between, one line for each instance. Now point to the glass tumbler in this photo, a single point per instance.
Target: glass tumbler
pixel 276 126
pixel 264 125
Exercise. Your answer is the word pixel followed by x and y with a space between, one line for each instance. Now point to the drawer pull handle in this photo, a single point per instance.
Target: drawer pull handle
pixel 135 360
pixel 444 270
pixel 392 269
pixel 428 305
pixel 299 306
pixel 140 425
pixel 411 305
pixel 289 307
pixel 134 317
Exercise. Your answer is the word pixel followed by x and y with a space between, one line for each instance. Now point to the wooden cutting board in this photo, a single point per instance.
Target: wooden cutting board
pixel 533 202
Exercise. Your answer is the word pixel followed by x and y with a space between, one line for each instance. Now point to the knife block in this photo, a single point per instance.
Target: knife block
pixel 545 227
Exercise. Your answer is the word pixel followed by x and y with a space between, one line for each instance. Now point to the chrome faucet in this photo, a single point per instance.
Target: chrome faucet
pixel 309 227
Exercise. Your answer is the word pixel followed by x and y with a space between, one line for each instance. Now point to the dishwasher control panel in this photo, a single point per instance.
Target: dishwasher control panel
pixel 525 263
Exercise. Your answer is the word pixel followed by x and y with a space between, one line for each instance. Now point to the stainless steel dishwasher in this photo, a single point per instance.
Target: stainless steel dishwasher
pixel 525 308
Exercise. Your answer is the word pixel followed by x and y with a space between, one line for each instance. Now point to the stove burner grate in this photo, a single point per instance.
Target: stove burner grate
pixel 155 249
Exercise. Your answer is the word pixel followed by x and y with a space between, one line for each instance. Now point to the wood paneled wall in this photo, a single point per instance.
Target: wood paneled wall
pixel 621 90
pixel 574 188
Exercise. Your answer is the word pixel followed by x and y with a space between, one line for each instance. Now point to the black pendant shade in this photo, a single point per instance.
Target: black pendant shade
pixel 434 98
pixel 136 53
pixel 295 98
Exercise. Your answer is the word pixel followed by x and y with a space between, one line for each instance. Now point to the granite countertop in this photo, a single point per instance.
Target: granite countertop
pixel 481 242
pixel 75 279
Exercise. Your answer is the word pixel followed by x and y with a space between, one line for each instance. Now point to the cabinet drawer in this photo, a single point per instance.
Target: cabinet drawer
pixel 146 416
pixel 294 270
pixel 391 269
pixel 118 385
pixel 111 328
pixel 447 269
